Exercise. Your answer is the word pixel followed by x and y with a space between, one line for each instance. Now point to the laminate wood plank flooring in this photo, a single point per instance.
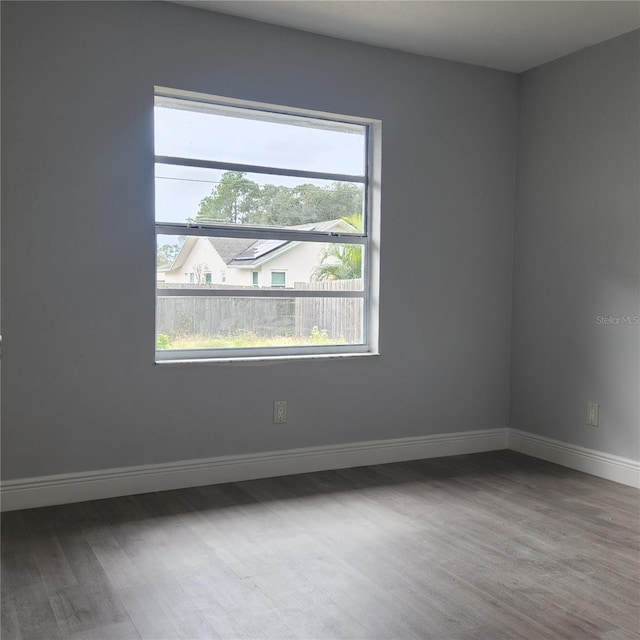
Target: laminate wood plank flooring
pixel 491 546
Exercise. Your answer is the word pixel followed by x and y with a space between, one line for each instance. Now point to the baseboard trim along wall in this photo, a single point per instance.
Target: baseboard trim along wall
pixel 596 463
pixel 26 493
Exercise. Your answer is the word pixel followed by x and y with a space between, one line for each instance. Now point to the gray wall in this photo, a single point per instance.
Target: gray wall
pixel 81 390
pixel 576 248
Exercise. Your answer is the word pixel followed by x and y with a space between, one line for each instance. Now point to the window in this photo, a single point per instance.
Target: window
pixel 253 187
pixel 278 279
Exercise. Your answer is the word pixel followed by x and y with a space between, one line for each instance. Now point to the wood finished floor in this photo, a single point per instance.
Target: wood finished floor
pixel 494 546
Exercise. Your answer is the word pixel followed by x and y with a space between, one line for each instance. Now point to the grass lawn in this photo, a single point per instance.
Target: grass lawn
pixel 243 340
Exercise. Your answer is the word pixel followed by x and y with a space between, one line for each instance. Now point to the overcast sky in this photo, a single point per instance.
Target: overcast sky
pixel 211 136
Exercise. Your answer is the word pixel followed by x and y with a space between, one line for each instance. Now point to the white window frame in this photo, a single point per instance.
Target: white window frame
pixel 369 239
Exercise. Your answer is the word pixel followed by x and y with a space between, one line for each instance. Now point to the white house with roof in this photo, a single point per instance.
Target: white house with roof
pixel 242 262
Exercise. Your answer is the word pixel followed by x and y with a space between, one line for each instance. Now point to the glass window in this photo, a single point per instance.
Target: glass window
pixel 241 190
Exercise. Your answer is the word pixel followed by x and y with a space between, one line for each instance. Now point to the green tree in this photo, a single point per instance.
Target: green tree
pixel 166 254
pixel 341 261
pixel 307 203
pixel 235 199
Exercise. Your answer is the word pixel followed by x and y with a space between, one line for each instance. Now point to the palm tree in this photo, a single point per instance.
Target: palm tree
pixel 341 261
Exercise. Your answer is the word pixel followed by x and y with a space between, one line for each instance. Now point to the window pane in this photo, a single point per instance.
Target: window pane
pixel 195 261
pixel 235 322
pixel 186 194
pixel 259 292
pixel 191 129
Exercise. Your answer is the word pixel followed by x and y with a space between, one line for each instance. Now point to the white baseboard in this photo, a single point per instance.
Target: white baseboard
pixel 604 465
pixel 25 493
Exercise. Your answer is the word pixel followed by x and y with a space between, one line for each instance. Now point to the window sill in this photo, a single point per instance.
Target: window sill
pixel 264 360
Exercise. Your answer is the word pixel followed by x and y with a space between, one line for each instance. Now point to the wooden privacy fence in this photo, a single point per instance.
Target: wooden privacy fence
pixel 340 318
pixel 225 316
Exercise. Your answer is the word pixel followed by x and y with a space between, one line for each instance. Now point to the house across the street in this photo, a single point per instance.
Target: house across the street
pixel 247 262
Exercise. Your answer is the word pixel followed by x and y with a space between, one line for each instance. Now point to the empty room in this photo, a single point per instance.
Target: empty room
pixel 320 320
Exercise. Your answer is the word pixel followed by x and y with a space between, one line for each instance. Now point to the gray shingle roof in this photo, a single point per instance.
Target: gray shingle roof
pixel 229 248
pixel 256 251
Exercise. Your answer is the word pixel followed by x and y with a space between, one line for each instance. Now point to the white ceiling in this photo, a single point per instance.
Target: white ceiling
pixel 508 35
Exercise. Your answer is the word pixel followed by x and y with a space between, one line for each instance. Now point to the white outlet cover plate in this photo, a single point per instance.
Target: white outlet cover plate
pixel 593 419
pixel 279 412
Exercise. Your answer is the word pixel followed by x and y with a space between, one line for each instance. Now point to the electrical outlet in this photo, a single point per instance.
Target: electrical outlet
pixel 593 418
pixel 279 412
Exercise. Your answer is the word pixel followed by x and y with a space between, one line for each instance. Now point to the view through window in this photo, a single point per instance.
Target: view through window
pixel 262 229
